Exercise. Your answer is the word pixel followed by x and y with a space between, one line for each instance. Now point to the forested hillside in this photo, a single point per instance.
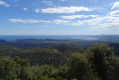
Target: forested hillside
pixel 69 62
pixel 51 55
pixel 62 43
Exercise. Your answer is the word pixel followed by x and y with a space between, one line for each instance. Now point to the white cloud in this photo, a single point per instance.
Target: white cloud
pixel 4 3
pixel 114 13
pixel 59 21
pixel 78 16
pixel 37 10
pixel 24 21
pixel 47 2
pixel 106 26
pixel 115 5
pixel 38 21
pixel 25 9
pixel 111 20
pixel 78 23
pixel 97 22
pixel 70 9
pixel 91 22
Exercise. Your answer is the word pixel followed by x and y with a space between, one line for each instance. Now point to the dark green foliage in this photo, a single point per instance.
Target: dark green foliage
pixel 46 78
pixel 44 56
pixel 100 57
pixel 79 67
pixel 40 56
pixel 25 74
pixel 22 62
pixel 113 73
pixel 9 70
pixel 62 71
pixel 9 51
pixel 98 63
pixel 68 50
pixel 47 70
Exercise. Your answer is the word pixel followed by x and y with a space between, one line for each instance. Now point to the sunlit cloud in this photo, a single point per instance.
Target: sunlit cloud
pixel 115 5
pixel 37 10
pixel 25 9
pixel 71 9
pixel 4 3
pixel 91 22
pixel 111 20
pixel 106 26
pixel 114 13
pixel 78 16
pixel 38 21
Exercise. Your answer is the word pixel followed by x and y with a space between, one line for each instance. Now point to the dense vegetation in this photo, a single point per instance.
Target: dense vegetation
pixel 97 63
pixel 59 43
pixel 55 56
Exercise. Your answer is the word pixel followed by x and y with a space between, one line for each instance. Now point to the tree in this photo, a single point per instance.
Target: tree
pixel 22 62
pixel 100 56
pixel 114 69
pixel 25 73
pixel 9 70
pixel 61 71
pixel 47 70
pixel 79 67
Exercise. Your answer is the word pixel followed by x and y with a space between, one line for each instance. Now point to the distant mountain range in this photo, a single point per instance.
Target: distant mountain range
pixel 83 37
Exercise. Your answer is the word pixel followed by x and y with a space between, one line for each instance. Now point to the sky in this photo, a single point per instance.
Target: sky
pixel 59 17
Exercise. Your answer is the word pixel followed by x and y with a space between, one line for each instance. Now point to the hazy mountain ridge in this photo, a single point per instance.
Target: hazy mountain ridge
pixel 112 40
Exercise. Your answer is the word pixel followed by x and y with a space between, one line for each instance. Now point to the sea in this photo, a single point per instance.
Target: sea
pixel 14 37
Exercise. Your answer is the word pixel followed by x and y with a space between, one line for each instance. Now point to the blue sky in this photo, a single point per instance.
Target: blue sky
pixel 59 17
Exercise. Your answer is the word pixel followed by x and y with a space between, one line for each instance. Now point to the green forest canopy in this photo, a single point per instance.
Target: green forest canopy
pixel 97 63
